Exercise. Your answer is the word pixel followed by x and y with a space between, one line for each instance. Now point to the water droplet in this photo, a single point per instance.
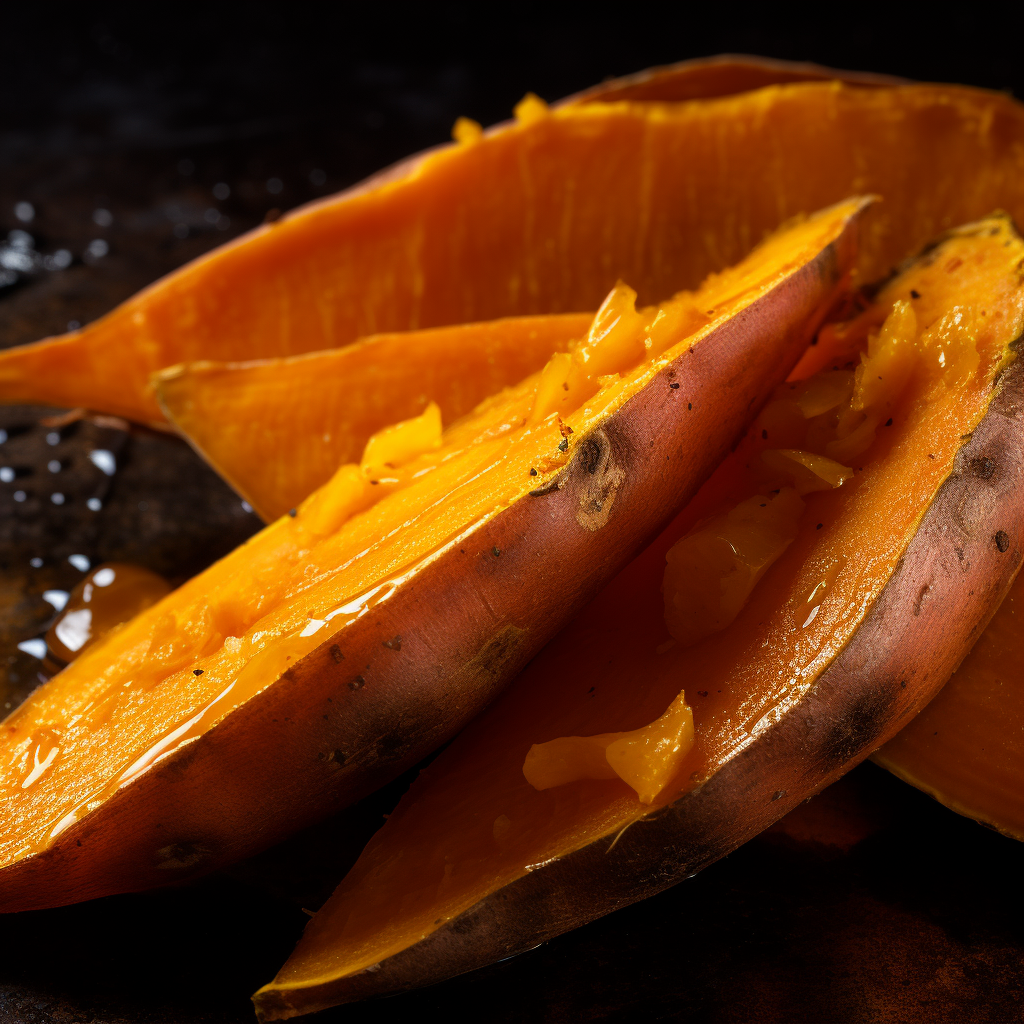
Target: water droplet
pixel 58 598
pixel 103 460
pixel 25 212
pixel 80 562
pixel 103 577
pixel 35 648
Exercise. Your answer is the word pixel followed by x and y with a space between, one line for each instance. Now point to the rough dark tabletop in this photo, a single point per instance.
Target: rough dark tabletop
pixel 869 903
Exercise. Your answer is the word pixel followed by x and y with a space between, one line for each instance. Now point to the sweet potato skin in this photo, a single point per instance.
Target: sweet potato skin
pixel 409 673
pixel 956 570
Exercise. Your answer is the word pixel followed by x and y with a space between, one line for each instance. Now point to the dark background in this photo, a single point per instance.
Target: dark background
pixel 870 903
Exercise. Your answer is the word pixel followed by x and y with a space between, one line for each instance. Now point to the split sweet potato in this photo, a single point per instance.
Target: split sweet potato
pixel 868 551
pixel 966 748
pixel 542 216
pixel 341 644
pixel 277 429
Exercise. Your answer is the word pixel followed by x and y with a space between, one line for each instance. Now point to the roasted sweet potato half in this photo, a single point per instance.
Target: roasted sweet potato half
pixel 810 601
pixel 543 215
pixel 966 748
pixel 277 429
pixel 341 644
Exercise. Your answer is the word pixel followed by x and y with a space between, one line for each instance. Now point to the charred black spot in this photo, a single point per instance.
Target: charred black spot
pixel 590 455
pixel 982 467
pixel 857 728
pixel 1002 540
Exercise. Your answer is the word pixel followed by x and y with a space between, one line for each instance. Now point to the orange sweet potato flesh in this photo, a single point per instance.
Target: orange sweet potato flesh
pixel 917 551
pixel 543 216
pixel 338 646
pixel 966 748
pixel 277 429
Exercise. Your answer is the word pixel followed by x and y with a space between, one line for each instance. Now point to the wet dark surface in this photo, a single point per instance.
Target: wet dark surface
pixel 871 903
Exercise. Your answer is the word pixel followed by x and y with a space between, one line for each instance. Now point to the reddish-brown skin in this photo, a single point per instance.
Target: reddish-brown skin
pixel 724 75
pixel 468 623
pixel 954 573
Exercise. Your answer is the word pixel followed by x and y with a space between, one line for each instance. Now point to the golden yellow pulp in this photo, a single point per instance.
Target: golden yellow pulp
pixel 472 824
pixel 180 667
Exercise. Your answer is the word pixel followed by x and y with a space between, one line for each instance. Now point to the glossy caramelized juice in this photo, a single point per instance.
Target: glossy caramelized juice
pixel 179 668
pixel 936 335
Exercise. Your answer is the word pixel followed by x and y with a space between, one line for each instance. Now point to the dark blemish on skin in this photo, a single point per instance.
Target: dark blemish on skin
pixel 591 690
pixel 914 293
pixel 888 422
pixel 565 386
pixel 551 485
pixel 325 718
pixel 533 472
pixel 778 795
pixel 819 526
pixel 357 684
pixel 336 654
pixel 702 693
pixel 394 644
pixel 982 467
pixel 689 405
pixel 496 551
pixel 1002 540
pixel 374 482
pixel 903 684
pixel 197 671
pixel 590 455
pixel 764 435
pixel 674 386
pixel 922 594
pixel 293 512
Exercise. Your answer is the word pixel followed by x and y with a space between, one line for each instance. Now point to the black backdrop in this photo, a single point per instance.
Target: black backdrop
pixel 875 904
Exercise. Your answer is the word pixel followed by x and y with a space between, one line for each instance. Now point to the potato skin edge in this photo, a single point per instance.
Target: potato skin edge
pixel 266 770
pixel 949 582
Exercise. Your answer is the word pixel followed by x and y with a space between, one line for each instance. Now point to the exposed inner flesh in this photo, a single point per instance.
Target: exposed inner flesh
pixel 175 671
pixel 543 216
pixel 277 429
pixel 472 823
pixel 967 747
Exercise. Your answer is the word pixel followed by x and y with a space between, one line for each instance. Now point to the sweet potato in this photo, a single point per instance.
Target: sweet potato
pixel 277 429
pixel 341 644
pixel 966 748
pixel 543 215
pixel 892 570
